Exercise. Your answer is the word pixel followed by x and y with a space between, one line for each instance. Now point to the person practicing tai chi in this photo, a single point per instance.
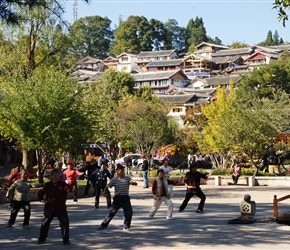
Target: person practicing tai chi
pixel 192 183
pixel 161 194
pixel 121 198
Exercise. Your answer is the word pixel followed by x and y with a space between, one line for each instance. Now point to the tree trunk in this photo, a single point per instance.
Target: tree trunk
pixel 40 166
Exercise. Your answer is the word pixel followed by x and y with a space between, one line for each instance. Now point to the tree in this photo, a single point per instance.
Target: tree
pixel 196 33
pixel 133 35
pixel 238 45
pixel 102 99
pixel 176 36
pixel 144 124
pixel 43 112
pixel 91 36
pixel 9 8
pixel 282 6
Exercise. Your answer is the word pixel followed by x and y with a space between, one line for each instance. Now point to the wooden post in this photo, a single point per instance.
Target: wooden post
pixel 275 203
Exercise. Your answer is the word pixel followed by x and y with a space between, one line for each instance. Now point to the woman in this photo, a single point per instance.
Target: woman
pixel 21 199
pixel 236 173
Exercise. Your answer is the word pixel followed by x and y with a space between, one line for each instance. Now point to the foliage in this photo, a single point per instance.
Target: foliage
pixel 9 14
pixel 282 6
pixel 43 112
pixel 142 123
pixel 176 36
pixel 238 45
pixel 91 36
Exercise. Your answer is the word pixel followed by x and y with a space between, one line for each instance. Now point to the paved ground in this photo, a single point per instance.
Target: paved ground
pixel 189 230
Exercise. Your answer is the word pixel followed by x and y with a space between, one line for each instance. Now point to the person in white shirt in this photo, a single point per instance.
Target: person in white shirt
pixel 167 169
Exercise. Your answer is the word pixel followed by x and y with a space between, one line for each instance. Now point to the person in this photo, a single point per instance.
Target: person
pixel 161 194
pixel 99 180
pixel 102 158
pixel 128 159
pixel 192 183
pixel 145 169
pixel 89 169
pixel 71 179
pixel 21 199
pixel 167 169
pixel 121 198
pixel 55 192
pixel 236 172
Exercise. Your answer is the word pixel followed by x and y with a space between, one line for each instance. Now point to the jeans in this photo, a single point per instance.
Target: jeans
pixel 145 178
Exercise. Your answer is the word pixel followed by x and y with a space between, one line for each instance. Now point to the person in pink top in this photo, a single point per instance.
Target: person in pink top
pixel 71 179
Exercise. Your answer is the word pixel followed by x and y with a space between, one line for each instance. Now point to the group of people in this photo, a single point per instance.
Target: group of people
pixel 54 195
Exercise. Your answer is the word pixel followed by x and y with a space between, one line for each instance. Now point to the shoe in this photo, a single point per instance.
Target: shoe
pixel 26 227
pixel 146 187
pixel 199 211
pixel 180 210
pixel 8 225
pixel 101 228
pixel 9 206
pixel 127 229
pixel 96 207
pixel 150 217
pixel 86 196
pixel 75 202
pixel 40 242
pixel 67 243
pixel 169 218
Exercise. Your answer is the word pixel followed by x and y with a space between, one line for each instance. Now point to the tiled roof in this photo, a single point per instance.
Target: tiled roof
pixel 150 76
pixel 156 53
pixel 226 59
pixel 212 45
pixel 173 62
pixel 178 99
pixel 222 80
pixel 233 52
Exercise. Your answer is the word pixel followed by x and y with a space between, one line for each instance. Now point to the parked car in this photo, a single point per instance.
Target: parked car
pixel 137 161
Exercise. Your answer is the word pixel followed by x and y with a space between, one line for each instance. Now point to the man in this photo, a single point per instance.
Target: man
pixel 145 169
pixel 161 194
pixel 121 199
pixel 99 180
pixel 55 192
pixel 89 169
pixel 192 183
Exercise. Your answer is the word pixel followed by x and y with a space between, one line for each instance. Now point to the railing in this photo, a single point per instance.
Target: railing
pixel 275 203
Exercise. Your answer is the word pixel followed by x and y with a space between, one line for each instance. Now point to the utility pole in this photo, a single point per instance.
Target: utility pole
pixel 75 10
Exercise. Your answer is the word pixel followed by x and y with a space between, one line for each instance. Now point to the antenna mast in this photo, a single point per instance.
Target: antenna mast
pixel 75 10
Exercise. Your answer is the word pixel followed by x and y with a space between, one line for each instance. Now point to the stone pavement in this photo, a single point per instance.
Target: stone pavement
pixel 189 230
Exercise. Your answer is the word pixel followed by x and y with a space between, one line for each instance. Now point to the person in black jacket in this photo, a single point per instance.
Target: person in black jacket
pixel 192 183
pixel 88 170
pixel 99 179
pixel 145 169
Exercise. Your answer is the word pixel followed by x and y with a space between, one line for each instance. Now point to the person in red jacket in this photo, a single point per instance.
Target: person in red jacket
pixel 236 172
pixel 55 192
pixel 71 179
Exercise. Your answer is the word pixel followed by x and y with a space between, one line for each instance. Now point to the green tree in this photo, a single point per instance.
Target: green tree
pixel 196 33
pixel 238 45
pixel 143 123
pixel 43 112
pixel 9 9
pixel 133 35
pixel 176 36
pixel 91 36
pixel 102 98
pixel 282 6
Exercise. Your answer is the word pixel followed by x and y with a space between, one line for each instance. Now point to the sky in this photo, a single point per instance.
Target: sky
pixel 246 21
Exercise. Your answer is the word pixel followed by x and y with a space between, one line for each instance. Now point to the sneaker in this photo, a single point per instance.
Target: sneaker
pixel 96 207
pixel 127 229
pixel 8 225
pixel 40 242
pixel 199 211
pixel 101 228
pixel 150 217
pixel 67 243
pixel 26 227
pixel 9 206
pixel 169 218
pixel 180 210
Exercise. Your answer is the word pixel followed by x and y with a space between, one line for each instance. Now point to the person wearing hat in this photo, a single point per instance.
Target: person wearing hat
pixel 161 194
pixel 192 183
pixel 121 198
pixel 99 180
